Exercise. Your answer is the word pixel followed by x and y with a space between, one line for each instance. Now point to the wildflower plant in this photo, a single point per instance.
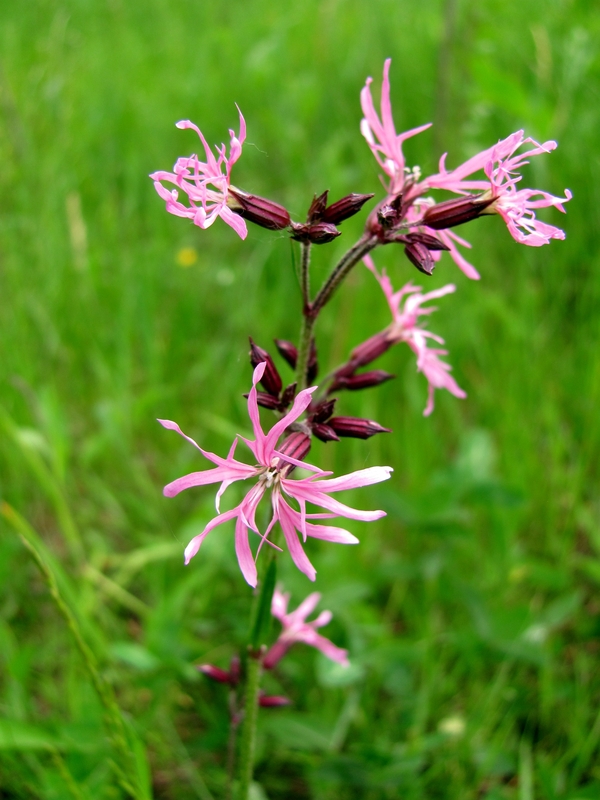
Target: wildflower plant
pixel 297 495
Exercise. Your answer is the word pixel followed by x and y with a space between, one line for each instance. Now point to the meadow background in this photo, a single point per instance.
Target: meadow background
pixel 472 612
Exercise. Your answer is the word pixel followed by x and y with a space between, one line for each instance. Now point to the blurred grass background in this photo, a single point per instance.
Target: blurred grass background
pixel 472 612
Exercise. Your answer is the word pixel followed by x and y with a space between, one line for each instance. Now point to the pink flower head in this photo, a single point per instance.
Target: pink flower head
pixel 297 629
pixel 381 136
pixel 516 207
pixel 271 472
pixel 206 183
pixel 406 306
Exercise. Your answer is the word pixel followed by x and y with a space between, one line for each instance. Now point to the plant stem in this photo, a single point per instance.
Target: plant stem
pixel 310 311
pixel 308 323
pixel 305 276
pixel 248 740
pixel 366 243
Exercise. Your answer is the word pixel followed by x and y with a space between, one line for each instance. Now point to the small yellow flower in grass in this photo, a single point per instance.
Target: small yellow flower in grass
pixel 518 573
pixel 187 256
pixel 452 726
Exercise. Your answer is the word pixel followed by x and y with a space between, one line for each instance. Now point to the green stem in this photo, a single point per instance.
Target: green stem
pixel 311 311
pixel 366 243
pixel 305 276
pixel 248 740
pixel 308 323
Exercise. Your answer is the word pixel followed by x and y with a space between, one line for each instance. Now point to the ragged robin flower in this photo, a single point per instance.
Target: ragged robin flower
pixel 406 306
pixel 271 476
pixel 206 183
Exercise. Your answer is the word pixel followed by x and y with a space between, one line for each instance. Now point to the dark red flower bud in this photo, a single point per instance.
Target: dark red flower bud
pixel 420 257
pixel 296 445
pixel 214 673
pixel 430 242
pixel 271 380
pixel 259 210
pixel 368 351
pixel 288 395
pixel 315 233
pixel 324 432
pixel 317 207
pixel 356 428
pixel 456 212
pixel 363 381
pixel 266 401
pixel 346 207
pixel 322 411
pixel 288 351
pixel 387 216
pixel 273 701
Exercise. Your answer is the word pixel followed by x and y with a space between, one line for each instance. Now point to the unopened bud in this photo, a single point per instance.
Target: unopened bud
pixel 316 233
pixel 430 242
pixel 356 428
pixel 259 210
pixel 266 400
pixel 368 351
pixel 420 257
pixel 214 673
pixel 323 410
pixel 317 207
pixel 288 351
pixel 324 432
pixel 288 395
pixel 456 212
pixel 271 380
pixel 346 207
pixel 364 381
pixel 273 701
pixel 296 445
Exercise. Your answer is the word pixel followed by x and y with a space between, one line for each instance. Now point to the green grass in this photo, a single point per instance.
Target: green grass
pixel 471 612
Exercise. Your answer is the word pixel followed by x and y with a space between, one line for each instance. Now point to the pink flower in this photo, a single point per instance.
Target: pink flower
pixel 297 629
pixel 516 207
pixel 271 472
pixel 381 136
pixel 405 328
pixel 206 183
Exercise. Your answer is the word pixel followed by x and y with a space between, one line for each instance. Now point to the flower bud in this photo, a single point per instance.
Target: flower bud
pixel 288 395
pixel 430 242
pixel 368 351
pixel 266 400
pixel 363 381
pixel 259 210
pixel 346 207
pixel 355 427
pixel 315 233
pixel 456 212
pixel 271 380
pixel 214 673
pixel 288 351
pixel 324 432
pixel 317 207
pixel 296 445
pixel 420 257
pixel 323 410
pixel 273 701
